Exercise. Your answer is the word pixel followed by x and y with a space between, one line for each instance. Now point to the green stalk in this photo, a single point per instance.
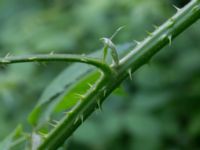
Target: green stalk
pixel 132 61
pixel 162 35
pixel 57 57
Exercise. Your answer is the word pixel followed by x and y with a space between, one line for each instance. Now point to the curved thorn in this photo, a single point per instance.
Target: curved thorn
pixel 51 53
pixel 76 120
pixel 178 9
pixel 52 124
pixel 44 135
pixel 149 33
pixel 170 39
pixel 79 95
pixel 90 85
pixel 55 122
pixel 137 42
pixel 196 8
pixel 116 32
pixel 130 74
pixel 164 36
pixel 7 55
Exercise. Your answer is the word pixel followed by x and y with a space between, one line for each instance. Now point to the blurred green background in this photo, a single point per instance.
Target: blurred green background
pixel 159 109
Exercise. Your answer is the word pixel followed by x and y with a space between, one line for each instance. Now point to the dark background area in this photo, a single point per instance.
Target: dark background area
pixel 159 108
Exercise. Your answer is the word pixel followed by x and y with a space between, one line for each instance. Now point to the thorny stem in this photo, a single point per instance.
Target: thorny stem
pixel 105 85
pixel 162 35
pixel 76 116
pixel 58 57
pixel 132 61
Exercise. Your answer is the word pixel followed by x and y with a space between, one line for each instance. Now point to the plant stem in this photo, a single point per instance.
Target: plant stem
pixel 135 59
pixel 58 57
pixel 162 36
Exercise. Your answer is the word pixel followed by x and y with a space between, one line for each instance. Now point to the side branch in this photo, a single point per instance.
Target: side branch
pixel 57 57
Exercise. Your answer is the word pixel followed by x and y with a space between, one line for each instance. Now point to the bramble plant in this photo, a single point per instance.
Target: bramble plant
pixel 81 99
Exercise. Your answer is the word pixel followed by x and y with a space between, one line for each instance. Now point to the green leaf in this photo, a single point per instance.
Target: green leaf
pixel 54 91
pixel 70 98
pixel 61 93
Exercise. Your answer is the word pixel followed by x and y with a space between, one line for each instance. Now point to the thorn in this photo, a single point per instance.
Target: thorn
pixel 7 55
pixel 83 59
pixel 196 8
pixel 99 105
pixel 69 112
pixel 137 42
pixel 79 95
pixel 178 9
pixel 52 124
pixel 155 27
pixel 75 121
pixel 130 74
pixel 32 58
pixel 163 36
pixel 116 32
pixel 44 135
pixel 90 85
pixel 170 40
pixel 149 33
pixel 74 107
pixel 51 53
pixel 80 117
pixel 55 122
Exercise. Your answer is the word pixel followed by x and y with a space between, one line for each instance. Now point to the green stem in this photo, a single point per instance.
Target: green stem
pixel 76 116
pixel 58 57
pixel 135 59
pixel 162 36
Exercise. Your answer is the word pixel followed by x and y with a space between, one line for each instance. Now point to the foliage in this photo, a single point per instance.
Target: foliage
pixel 160 105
